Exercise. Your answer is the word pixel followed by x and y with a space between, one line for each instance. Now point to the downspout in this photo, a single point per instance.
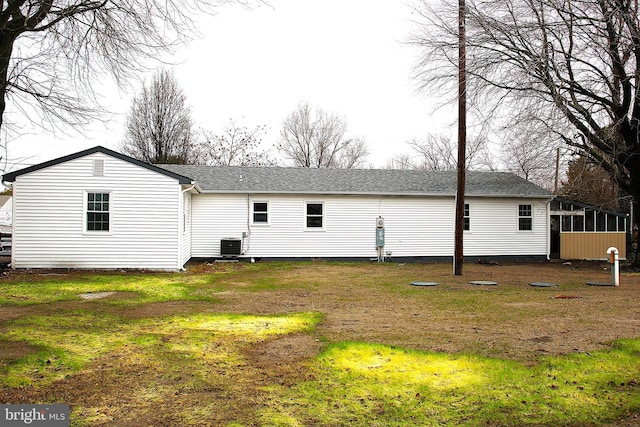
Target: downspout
pixel 548 235
pixel 181 229
pixel 247 235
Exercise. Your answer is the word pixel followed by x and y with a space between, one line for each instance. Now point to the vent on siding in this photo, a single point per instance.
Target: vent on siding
pixel 230 247
pixel 98 167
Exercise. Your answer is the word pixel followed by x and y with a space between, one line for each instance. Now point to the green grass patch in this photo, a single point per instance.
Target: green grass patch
pixel 145 289
pixel 69 341
pixel 362 384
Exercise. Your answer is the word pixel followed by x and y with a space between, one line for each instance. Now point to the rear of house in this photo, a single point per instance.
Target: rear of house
pixel 302 213
pixel 97 209
pixel 344 227
pixel 101 209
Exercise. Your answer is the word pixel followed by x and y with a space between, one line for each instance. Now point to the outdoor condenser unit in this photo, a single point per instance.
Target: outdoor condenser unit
pixel 230 247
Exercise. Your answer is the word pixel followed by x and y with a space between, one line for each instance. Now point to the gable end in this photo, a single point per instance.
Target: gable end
pixel 11 176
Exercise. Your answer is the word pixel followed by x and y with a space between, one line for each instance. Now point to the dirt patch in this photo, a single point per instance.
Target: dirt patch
pixel 285 350
pixel 359 302
pixel 14 350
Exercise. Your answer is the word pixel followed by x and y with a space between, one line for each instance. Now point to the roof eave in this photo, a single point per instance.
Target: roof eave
pixel 11 176
pixel 392 194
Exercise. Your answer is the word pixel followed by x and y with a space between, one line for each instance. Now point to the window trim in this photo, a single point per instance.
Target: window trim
pixel 529 217
pixel 323 216
pixel 267 212
pixel 466 218
pixel 85 212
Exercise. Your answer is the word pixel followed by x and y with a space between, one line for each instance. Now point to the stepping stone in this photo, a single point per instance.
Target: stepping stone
pixel 599 284
pixel 543 285
pixel 96 295
pixel 424 283
pixel 483 282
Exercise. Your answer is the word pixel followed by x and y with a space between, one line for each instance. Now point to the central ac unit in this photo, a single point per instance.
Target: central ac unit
pixel 230 247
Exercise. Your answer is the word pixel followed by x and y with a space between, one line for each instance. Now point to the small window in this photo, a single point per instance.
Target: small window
pixel 601 221
pixel 578 223
pixel 260 213
pixel 622 224
pixel 612 222
pixel 315 217
pixel 589 222
pixel 467 221
pixel 525 219
pixel 97 211
pixel 566 223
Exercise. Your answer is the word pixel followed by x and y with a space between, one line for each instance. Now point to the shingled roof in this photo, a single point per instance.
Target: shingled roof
pixel 278 180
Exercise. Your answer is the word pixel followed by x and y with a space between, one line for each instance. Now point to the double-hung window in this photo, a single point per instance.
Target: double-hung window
pixel 467 217
pixel 525 218
pixel 315 215
pixel 97 212
pixel 260 212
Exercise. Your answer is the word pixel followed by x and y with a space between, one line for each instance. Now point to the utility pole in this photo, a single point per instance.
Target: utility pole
pixel 462 139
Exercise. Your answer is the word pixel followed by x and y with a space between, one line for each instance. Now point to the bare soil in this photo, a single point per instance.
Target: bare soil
pixel 359 302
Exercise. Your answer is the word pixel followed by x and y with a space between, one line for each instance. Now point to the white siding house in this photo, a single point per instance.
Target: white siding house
pixel 160 217
pixel 267 209
pixel 97 209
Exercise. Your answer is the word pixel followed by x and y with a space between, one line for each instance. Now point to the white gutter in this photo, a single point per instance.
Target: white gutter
pixel 548 234
pixel 181 222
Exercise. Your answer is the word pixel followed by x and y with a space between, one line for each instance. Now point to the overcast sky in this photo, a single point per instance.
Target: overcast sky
pixel 255 66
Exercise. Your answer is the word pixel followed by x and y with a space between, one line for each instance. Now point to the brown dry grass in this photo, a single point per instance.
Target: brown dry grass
pixel 360 302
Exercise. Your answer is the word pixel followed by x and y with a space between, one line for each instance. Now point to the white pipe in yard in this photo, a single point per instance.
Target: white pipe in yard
pixel 615 268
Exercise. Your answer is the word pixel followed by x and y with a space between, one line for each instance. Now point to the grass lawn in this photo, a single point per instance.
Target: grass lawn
pixel 325 344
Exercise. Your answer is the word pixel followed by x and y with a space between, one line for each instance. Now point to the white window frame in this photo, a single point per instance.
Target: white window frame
pixel 467 211
pixel 267 212
pixel 323 216
pixel 85 212
pixel 530 217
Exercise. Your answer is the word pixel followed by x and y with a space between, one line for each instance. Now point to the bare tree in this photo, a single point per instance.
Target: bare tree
pixel 317 139
pixel 236 146
pixel 52 52
pixel 589 183
pixel 439 152
pixel 159 127
pixel 401 161
pixel 530 151
pixel 570 65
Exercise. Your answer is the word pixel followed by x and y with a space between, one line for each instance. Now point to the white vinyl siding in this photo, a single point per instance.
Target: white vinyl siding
pixel 495 228
pixel 216 217
pixel 414 226
pixel 144 210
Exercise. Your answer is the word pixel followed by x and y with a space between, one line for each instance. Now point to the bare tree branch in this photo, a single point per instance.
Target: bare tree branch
pixel 573 66
pixel 159 126
pixel 317 139
pixel 236 146
pixel 52 52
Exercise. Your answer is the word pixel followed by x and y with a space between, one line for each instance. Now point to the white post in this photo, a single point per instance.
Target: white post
pixel 615 268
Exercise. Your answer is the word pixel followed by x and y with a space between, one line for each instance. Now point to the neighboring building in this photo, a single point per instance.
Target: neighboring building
pixel 6 214
pixel 582 231
pixel 101 209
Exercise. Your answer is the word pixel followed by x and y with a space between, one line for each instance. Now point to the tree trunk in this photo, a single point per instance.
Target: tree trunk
pixel 6 48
